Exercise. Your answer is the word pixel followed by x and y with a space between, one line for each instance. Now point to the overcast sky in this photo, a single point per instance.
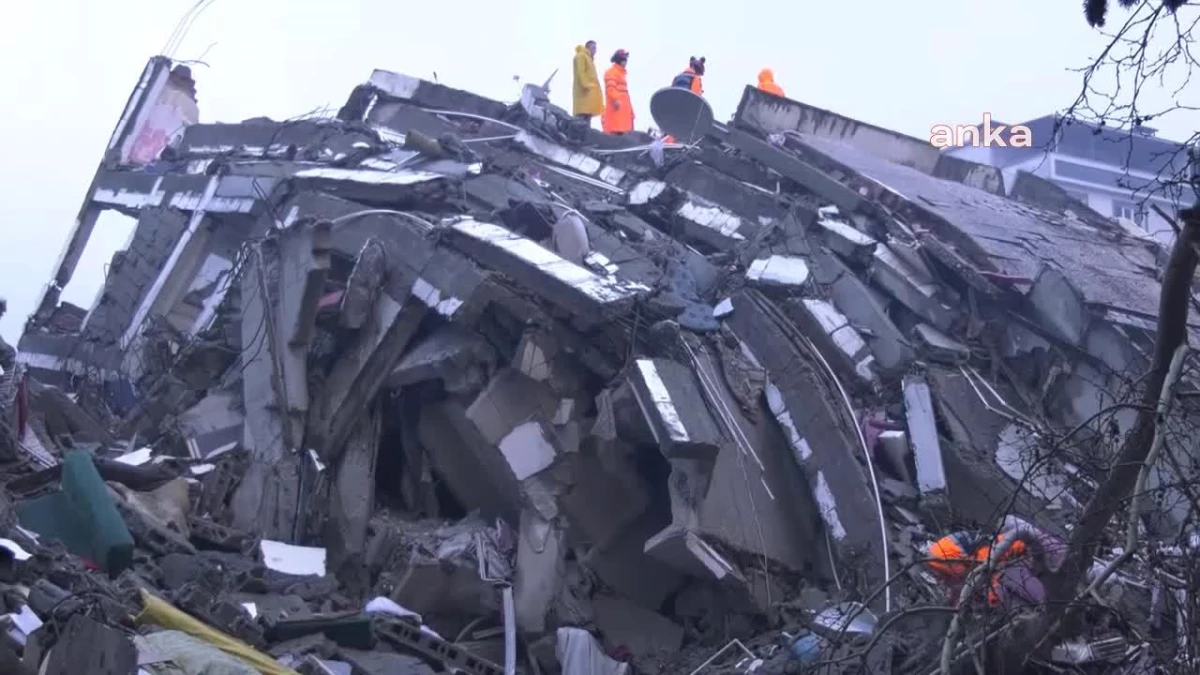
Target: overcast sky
pixel 70 65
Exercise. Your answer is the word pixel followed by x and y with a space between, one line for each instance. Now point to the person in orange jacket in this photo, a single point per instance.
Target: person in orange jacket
pixel 618 111
pixel 691 77
pixel 955 555
pixel 766 82
pixel 588 100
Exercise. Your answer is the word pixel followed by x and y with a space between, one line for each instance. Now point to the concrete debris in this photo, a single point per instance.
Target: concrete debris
pixel 445 384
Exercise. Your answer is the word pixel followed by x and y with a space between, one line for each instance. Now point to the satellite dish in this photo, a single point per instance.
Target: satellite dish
pixel 681 114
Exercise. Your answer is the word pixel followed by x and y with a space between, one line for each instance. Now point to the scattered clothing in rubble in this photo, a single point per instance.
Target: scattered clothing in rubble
pixel 766 82
pixel 618 109
pixel 589 100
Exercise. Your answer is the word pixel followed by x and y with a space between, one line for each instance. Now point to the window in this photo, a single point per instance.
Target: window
pixel 1130 211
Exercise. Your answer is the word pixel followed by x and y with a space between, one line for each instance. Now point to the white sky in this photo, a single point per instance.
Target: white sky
pixel 70 65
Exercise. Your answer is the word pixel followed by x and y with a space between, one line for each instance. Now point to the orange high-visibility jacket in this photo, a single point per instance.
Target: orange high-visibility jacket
pixel 766 82
pixel 955 555
pixel 618 111
pixel 688 79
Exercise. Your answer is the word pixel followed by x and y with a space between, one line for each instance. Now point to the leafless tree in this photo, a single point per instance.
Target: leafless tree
pixel 1142 75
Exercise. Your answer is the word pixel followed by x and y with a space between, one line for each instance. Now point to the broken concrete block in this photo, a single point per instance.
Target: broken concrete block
pixel 606 496
pixel 649 637
pixel 624 566
pixel 213 424
pixel 672 403
pixel 862 306
pixel 88 646
pixel 893 446
pixel 528 449
pixel 459 357
pixel 922 430
pixel 837 340
pixel 543 359
pixel 686 551
pixel 472 468
pixel 910 286
pixel 843 239
pixel 939 346
pixel 778 270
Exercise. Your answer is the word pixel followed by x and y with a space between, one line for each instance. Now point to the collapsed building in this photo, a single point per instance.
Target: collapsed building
pixel 495 368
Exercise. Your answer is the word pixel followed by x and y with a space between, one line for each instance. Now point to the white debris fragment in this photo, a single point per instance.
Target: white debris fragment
pixel 15 549
pixel 291 559
pixel 780 270
pixel 723 308
pixel 136 458
pixel 201 469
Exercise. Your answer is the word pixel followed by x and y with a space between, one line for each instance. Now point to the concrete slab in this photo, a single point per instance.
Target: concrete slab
pixel 670 398
pixel 822 433
pixel 585 295
pixel 836 339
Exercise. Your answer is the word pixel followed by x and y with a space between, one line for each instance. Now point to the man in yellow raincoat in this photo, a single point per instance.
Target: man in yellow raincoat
pixel 589 99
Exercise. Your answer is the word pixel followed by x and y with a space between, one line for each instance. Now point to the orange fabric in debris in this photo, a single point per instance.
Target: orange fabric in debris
pixel 618 110
pixel 766 82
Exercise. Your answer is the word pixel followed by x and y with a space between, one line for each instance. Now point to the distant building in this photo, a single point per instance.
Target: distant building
pixel 1111 170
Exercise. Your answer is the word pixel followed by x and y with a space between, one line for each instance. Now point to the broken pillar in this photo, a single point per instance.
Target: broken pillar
pixel 265 500
pixel 923 436
pixel 352 492
pixel 303 265
pixel 539 570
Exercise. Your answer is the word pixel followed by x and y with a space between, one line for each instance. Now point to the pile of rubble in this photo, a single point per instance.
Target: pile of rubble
pixel 449 384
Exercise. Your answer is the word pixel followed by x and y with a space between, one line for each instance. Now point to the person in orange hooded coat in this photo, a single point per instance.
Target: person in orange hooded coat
pixel 618 110
pixel 766 82
pixel 955 555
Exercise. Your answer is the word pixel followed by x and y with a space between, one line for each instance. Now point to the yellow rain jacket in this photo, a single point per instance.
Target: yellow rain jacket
pixel 589 100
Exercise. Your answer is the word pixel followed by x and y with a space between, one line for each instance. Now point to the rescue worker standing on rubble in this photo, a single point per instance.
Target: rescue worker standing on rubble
pixel 618 109
pixel 766 82
pixel 589 100
pixel 955 555
pixel 691 78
